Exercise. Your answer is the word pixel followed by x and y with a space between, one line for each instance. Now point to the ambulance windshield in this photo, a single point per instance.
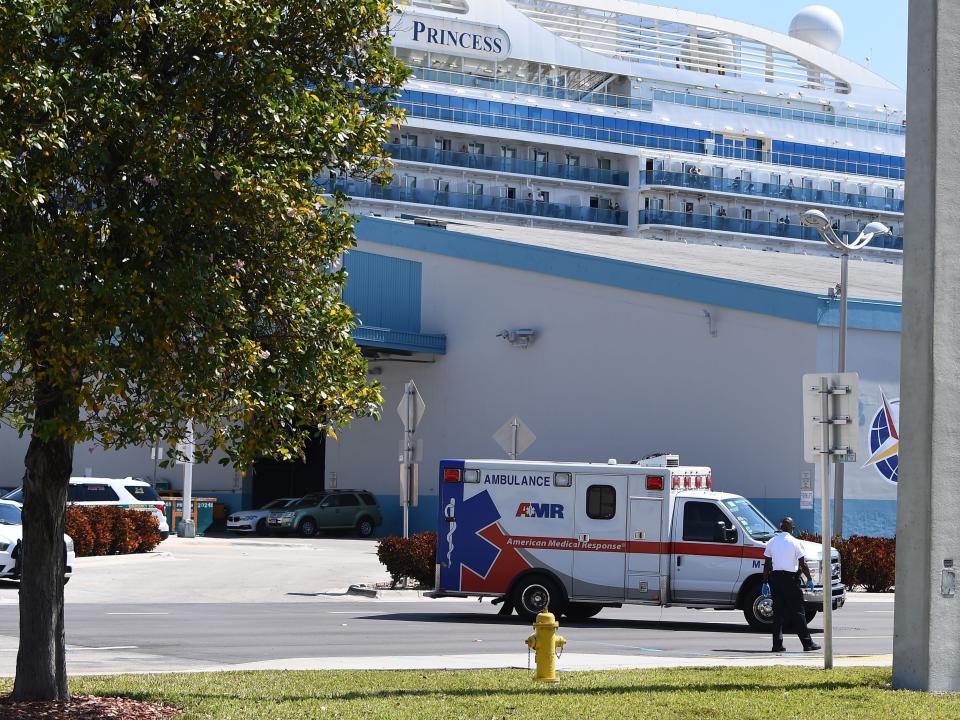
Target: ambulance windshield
pixel 752 520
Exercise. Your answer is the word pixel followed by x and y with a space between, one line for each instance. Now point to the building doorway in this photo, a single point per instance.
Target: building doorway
pixel 272 479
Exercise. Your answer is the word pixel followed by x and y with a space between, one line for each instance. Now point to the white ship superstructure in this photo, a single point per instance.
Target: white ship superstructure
pixel 638 120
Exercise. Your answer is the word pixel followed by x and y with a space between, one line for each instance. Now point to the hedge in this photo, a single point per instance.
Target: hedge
pixel 869 562
pixel 414 558
pixel 110 530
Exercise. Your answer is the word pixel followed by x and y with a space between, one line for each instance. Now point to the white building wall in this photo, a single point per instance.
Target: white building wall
pixel 612 374
pixel 209 479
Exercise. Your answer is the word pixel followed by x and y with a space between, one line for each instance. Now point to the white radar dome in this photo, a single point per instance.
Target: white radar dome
pixel 819 26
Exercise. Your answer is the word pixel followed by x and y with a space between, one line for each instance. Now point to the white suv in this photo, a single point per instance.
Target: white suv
pixel 11 535
pixel 123 492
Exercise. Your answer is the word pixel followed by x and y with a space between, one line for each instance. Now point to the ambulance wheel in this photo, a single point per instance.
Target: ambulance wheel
pixel 582 610
pixel 534 594
pixel 261 528
pixel 758 610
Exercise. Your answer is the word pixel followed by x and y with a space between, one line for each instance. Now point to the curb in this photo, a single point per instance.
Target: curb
pixel 363 591
pixel 386 593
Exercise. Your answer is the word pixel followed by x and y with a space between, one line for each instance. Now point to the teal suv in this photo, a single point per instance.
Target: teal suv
pixel 331 510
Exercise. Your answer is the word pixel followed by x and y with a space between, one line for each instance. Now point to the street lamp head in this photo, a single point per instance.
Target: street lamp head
pixel 876 228
pixel 867 234
pixel 815 219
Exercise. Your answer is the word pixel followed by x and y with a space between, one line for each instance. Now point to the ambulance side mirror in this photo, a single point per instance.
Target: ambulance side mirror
pixel 725 534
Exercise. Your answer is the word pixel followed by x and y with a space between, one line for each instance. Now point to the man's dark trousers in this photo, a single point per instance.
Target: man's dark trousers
pixel 788 607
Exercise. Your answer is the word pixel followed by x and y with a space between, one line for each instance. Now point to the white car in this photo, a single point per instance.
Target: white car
pixel 11 535
pixel 256 520
pixel 122 492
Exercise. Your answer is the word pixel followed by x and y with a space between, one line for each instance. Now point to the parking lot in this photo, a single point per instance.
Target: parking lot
pixel 242 569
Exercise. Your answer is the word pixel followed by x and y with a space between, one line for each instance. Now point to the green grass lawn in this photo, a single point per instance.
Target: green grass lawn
pixel 770 693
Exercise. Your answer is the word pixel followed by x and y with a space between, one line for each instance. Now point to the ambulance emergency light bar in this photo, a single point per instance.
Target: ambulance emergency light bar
pixel 692 482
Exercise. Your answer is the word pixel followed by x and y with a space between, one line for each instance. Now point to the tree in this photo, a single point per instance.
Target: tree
pixel 164 253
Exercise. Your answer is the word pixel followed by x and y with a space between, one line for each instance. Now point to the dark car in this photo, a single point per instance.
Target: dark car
pixel 331 510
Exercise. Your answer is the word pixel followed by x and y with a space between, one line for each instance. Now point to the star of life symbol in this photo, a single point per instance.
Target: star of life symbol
pixel 884 439
pixel 448 513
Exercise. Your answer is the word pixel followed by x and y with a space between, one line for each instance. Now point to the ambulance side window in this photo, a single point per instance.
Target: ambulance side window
pixel 700 521
pixel 601 502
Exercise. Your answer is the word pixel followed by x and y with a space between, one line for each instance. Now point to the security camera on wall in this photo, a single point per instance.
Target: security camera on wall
pixel 520 337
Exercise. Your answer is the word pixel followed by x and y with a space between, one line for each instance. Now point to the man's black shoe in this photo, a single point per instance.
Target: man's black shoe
pixel 811 647
pixel 779 649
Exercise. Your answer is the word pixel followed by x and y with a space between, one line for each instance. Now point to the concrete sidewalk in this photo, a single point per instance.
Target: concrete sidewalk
pixel 569 662
pixel 242 569
pixel 123 660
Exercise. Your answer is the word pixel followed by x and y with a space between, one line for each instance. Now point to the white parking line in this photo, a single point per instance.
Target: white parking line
pixel 105 647
pixel 137 613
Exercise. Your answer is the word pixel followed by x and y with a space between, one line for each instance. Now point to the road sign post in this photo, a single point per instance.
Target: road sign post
pixel 830 431
pixel 410 410
pixel 186 528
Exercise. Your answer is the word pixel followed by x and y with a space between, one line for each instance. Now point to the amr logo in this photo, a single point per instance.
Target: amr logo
pixel 540 510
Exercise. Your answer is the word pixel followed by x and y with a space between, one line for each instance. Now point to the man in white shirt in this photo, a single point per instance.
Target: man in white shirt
pixel 784 557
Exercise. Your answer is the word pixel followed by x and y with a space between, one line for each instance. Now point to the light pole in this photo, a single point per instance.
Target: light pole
pixel 819 222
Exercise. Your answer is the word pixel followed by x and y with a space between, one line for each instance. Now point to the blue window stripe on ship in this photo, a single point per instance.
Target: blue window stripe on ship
pixel 490 113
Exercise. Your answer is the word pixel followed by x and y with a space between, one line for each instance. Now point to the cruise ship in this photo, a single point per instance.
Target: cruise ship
pixel 625 118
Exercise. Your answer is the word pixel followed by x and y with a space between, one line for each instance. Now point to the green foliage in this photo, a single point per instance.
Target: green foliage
pixel 717 693
pixel 414 557
pixel 163 251
pixel 109 530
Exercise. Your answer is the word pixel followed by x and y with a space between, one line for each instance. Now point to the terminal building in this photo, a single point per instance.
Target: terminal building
pixel 593 225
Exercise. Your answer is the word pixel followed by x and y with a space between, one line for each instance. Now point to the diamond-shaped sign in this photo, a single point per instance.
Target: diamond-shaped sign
pixel 411 407
pixel 514 437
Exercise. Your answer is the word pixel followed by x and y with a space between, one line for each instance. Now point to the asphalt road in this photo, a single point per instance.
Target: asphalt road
pixel 185 636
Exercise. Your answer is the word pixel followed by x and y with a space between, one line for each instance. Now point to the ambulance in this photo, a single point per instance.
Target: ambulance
pixel 577 537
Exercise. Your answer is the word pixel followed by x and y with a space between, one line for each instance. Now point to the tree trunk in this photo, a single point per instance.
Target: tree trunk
pixel 41 660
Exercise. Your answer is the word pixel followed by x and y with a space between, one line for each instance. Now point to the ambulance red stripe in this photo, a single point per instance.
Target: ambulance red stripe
pixel 531 542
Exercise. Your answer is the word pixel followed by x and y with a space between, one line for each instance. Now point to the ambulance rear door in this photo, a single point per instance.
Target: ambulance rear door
pixel 600 525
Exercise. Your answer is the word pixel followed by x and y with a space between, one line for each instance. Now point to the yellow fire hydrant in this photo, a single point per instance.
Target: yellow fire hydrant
pixel 546 643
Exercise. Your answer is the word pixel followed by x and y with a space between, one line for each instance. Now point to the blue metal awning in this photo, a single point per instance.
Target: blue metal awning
pixel 399 340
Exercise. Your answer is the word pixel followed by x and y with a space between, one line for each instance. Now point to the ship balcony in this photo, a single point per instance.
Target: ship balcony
pixel 515 87
pixel 781 193
pixel 477 203
pixel 780 231
pixel 493 163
